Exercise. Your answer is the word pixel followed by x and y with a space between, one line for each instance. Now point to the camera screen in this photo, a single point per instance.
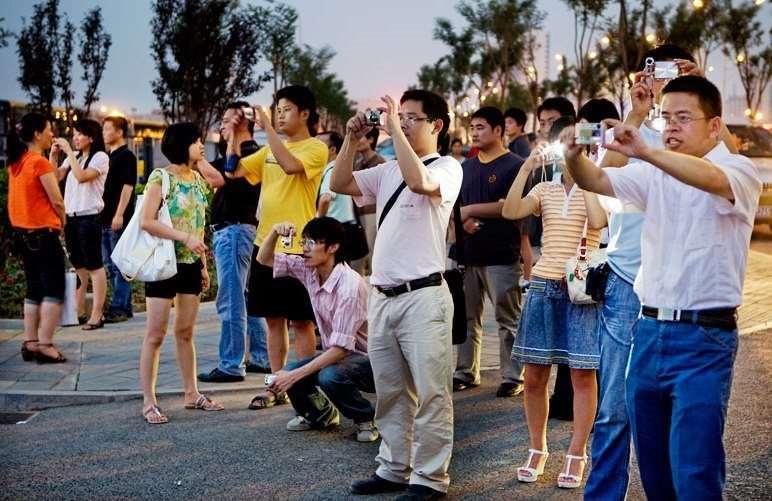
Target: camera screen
pixel 665 70
pixel 589 133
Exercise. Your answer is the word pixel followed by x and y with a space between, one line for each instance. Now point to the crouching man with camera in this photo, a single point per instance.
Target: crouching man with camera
pixel 698 201
pixel 339 300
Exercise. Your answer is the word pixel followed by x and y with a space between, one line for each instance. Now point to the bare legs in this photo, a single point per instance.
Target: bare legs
pixel 158 310
pixel 40 322
pixel 99 285
pixel 278 341
pixel 537 406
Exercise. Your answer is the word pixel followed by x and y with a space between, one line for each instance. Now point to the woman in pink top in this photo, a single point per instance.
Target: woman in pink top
pixel 553 330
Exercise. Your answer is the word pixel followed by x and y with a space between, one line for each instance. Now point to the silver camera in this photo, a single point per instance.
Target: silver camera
pixel 286 241
pixel 249 113
pixel 665 70
pixel 593 133
pixel 373 117
pixel 269 379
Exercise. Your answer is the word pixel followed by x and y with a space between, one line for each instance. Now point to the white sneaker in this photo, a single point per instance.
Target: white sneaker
pixel 367 432
pixel 298 423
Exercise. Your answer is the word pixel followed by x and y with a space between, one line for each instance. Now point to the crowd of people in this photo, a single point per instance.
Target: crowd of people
pixel 644 344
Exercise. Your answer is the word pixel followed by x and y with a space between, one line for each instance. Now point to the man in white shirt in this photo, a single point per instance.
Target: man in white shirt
pixel 410 312
pixel 698 201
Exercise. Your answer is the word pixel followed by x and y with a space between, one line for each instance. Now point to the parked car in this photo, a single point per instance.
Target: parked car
pixel 755 142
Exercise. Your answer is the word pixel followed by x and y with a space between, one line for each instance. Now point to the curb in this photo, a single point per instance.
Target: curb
pixel 37 400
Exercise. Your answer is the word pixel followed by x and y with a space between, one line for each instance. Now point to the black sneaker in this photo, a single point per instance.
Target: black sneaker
pixel 416 492
pixel 461 385
pixel 218 376
pixel 375 485
pixel 507 390
pixel 260 369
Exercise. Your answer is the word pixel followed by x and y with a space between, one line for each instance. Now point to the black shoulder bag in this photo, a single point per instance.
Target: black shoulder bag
pixel 454 276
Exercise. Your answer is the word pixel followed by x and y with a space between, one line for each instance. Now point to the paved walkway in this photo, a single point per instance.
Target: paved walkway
pixel 103 365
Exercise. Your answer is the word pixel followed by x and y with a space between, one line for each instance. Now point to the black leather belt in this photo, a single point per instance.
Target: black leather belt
pixel 723 318
pixel 221 226
pixel 432 280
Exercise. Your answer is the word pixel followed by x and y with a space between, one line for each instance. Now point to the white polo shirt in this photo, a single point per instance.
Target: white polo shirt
pixel 694 244
pixel 86 198
pixel 411 242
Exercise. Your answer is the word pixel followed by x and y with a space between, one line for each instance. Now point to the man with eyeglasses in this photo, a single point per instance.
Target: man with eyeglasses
pixel 339 300
pixel 698 201
pixel 411 311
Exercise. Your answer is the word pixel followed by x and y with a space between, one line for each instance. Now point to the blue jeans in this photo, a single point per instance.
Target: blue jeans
pixel 342 383
pixel 611 440
pixel 120 304
pixel 678 383
pixel 232 248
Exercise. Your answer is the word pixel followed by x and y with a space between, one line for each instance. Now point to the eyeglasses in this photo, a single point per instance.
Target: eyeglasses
pixel 309 242
pixel 410 120
pixel 681 119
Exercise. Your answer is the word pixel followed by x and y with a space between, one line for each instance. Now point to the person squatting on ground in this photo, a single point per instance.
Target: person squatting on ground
pixel 339 298
pixel 119 201
pixel 234 225
pixel 553 330
pixel 36 212
pixel 289 171
pixel 492 249
pixel 186 200
pixel 411 310
pixel 685 341
pixel 85 174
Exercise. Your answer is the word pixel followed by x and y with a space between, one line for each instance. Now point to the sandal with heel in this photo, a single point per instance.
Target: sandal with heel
pixel 42 358
pixel 26 354
pixel 568 481
pixel 527 473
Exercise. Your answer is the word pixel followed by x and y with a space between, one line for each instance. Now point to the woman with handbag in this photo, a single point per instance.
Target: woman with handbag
pixel 186 202
pixel 553 330
pixel 36 211
pixel 85 172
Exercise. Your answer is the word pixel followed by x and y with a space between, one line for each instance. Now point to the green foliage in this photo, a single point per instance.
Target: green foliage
pixel 205 52
pixel 280 45
pixel 310 67
pixel 94 51
pixel 38 51
pixel 4 34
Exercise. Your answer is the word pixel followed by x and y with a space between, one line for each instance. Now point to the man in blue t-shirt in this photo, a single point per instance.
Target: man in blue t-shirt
pixel 492 249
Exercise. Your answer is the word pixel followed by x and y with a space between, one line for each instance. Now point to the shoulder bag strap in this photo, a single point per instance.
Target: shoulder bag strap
pixel 393 199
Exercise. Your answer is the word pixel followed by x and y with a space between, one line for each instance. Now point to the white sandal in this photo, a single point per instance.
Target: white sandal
pixel 528 474
pixel 568 481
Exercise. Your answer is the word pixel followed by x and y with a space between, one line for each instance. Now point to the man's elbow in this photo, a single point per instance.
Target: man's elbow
pixel 508 212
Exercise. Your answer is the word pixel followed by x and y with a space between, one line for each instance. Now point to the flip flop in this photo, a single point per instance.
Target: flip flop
pixel 153 415
pixel 203 403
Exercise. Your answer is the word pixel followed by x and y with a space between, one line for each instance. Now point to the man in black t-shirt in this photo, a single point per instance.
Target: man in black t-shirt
pixel 234 223
pixel 492 249
pixel 514 129
pixel 118 197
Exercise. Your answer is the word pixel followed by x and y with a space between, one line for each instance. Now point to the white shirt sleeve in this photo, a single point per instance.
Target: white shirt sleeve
pixel 325 186
pixel 100 162
pixel 447 172
pixel 746 187
pixel 368 181
pixel 631 182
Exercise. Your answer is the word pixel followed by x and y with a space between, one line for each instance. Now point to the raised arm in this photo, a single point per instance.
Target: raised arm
pixel 211 175
pixel 286 160
pixel 267 251
pixel 342 176
pixel 641 99
pixel 82 175
pixel 596 216
pixel 587 175
pixel 516 206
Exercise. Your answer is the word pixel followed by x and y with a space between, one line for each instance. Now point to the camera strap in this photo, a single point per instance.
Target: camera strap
pixel 393 199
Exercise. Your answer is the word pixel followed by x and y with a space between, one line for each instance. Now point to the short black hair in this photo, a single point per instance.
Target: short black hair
pixel 330 231
pixel 435 107
pixel 302 97
pixel 665 52
pixel 707 93
pixel 372 136
pixel 558 126
pixel 177 139
pixel 237 106
pixel 559 104
pixel 92 129
pixel 596 110
pixel 457 140
pixel 493 116
pixel 336 139
pixel 517 115
pixel 23 133
pixel 120 123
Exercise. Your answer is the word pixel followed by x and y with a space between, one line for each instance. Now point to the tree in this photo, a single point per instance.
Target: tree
pixel 37 49
pixel 309 67
pixel 4 34
pixel 585 72
pixel 94 50
pixel 697 30
pixel 280 40
pixel 744 38
pixel 205 52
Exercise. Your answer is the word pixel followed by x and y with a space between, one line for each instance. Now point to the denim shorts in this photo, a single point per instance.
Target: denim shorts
pixel 553 330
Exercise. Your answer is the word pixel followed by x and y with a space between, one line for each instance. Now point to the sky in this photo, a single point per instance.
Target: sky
pixel 380 45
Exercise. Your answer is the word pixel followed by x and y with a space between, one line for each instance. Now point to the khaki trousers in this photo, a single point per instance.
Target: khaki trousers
pixel 410 350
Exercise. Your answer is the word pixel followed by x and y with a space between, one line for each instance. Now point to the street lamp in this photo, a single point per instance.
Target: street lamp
pixel 698 4
pixel 758 115
pixel 592 54
pixel 605 40
pixel 748 112
pixel 558 57
pixel 740 57
pixel 651 38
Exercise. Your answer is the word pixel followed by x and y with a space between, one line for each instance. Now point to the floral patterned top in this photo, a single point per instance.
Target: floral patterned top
pixel 187 207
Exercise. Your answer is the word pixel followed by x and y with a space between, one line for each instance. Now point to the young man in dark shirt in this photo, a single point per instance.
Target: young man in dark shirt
pixel 234 223
pixel 492 249
pixel 119 207
pixel 514 130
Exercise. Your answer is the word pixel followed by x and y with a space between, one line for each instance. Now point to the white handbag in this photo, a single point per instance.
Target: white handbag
pixel 577 268
pixel 70 305
pixel 140 255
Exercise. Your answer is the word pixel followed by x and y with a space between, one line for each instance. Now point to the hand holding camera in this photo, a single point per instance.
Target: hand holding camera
pixel 357 125
pixel 286 231
pixel 627 140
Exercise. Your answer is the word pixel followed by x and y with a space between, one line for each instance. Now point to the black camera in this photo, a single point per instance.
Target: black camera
pixel 597 277
pixel 373 117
